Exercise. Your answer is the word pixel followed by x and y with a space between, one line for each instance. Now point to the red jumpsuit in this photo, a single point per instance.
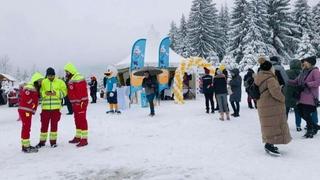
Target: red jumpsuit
pixel 28 103
pixel 78 95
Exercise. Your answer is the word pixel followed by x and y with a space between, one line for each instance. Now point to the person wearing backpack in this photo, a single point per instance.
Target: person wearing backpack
pixel 248 81
pixel 308 83
pixel 235 98
pixel 291 93
pixel 271 109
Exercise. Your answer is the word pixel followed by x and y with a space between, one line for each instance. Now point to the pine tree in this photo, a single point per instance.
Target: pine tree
pixel 302 17
pixel 316 28
pixel 173 34
pixel 182 45
pixel 204 35
pixel 249 59
pixel 239 28
pixel 229 61
pixel 224 23
pixel 282 28
pixel 305 48
pixel 213 58
pixel 255 37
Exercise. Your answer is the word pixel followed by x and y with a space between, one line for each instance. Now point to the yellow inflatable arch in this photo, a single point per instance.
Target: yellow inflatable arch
pixel 185 65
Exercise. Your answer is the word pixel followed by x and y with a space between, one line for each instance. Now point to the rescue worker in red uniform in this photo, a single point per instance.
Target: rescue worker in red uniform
pixel 53 90
pixel 78 95
pixel 28 103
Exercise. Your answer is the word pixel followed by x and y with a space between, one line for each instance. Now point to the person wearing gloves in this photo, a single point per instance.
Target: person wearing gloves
pixel 308 83
pixel 28 103
pixel 78 95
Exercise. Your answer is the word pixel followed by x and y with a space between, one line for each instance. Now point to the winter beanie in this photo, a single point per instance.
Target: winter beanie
pixel 50 72
pixel 266 66
pixel 312 60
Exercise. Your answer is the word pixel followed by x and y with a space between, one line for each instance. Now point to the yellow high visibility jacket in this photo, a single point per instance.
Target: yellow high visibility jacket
pixel 52 102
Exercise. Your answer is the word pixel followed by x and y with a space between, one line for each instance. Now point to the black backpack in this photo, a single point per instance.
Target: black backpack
pixel 254 91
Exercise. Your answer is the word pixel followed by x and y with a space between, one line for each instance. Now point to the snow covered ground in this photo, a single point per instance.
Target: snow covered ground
pixel 180 142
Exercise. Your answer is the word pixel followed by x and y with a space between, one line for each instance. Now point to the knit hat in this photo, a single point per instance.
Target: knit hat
pixel 312 60
pixel 266 66
pixel 50 72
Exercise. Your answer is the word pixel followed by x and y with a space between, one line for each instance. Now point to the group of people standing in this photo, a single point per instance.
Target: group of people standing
pixel 50 90
pixel 281 90
pixel 220 87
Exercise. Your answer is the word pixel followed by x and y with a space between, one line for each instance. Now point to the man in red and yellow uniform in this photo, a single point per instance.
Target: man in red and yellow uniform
pixel 53 90
pixel 78 95
pixel 28 103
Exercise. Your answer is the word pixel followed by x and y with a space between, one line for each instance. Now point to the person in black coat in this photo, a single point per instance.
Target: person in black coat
pixel 93 89
pixel 150 86
pixel 235 98
pixel 207 83
pixel 248 81
pixel 220 89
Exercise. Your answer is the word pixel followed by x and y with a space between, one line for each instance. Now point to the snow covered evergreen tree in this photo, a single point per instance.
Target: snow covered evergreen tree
pixel 173 34
pixel 282 28
pixel 213 58
pixel 229 61
pixel 239 28
pixel 182 44
pixel 305 48
pixel 316 28
pixel 204 36
pixel 224 23
pixel 249 59
pixel 302 17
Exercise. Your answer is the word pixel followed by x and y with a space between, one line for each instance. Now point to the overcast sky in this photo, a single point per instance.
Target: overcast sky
pixel 87 32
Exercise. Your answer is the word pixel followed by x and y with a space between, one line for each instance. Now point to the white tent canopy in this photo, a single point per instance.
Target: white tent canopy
pixel 6 77
pixel 152 53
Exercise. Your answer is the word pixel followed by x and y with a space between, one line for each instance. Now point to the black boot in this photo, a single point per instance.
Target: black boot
pixel 207 111
pixel 270 149
pixel 250 105
pixel 29 149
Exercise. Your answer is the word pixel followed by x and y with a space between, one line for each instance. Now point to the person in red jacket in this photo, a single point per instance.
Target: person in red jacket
pixel 28 103
pixel 78 95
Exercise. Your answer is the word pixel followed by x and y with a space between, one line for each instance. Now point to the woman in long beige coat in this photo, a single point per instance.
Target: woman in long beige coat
pixel 271 108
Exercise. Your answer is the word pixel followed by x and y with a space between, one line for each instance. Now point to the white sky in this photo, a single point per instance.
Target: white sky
pixel 87 32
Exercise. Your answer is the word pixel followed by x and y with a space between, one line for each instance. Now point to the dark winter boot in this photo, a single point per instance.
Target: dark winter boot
pixel 212 111
pixel 29 149
pixel 250 105
pixel 41 144
pixel 270 149
pixel 118 112
pixel 309 134
pixel 207 111
pixel 75 140
pixel 53 143
pixel 83 142
pixel 110 112
pixel 299 129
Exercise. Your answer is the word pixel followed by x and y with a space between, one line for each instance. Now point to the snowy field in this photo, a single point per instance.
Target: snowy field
pixel 180 142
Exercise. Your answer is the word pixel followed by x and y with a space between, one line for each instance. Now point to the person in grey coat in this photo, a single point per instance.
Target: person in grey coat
pixel 280 72
pixel 235 98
